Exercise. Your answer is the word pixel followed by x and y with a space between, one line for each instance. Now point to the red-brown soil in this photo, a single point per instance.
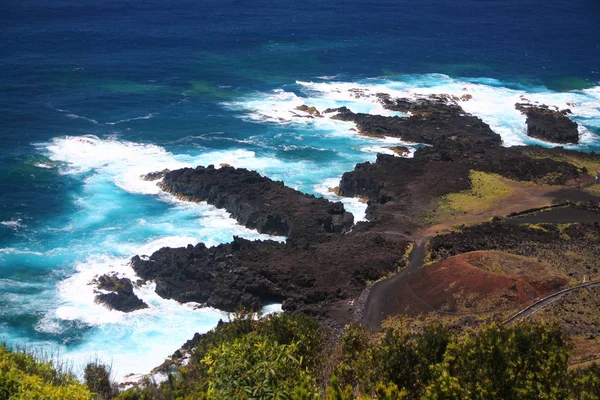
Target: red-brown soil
pixel 459 285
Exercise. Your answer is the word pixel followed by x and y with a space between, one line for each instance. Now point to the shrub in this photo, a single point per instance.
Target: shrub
pixel 522 362
pixel 22 376
pixel 254 366
pixel 97 378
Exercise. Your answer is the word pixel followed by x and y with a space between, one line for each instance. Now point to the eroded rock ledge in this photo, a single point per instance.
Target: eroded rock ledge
pixel 259 202
pixel 316 265
pixel 549 124
pixel 304 276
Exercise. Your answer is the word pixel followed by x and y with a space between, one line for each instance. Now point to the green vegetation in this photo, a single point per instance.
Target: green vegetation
pixel 284 357
pixel 486 189
pixel 270 359
pixel 22 376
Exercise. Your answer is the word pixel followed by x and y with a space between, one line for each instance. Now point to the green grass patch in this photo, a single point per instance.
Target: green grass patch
pixel 25 376
pixel 486 189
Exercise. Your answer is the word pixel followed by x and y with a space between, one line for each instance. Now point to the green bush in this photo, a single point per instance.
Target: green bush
pixel 522 362
pixel 255 367
pixel 22 376
pixel 97 378
pixel 585 383
pixel 289 328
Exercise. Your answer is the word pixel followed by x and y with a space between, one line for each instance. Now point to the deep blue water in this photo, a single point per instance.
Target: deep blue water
pixel 165 84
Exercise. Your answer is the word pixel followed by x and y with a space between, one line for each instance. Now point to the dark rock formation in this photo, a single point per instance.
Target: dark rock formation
pixel 407 186
pixel 250 273
pixel 437 129
pixel 318 268
pixel 441 105
pixel 311 111
pixel 549 125
pixel 258 202
pixel 154 176
pixel 400 150
pixel 121 296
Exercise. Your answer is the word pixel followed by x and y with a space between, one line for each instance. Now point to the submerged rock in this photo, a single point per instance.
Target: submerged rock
pixel 311 111
pixel 121 296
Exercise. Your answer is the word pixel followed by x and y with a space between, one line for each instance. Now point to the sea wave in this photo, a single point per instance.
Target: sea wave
pixel 489 99
pixel 147 116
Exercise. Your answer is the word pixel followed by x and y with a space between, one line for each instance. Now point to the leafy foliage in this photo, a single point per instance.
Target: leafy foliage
pixel 279 357
pixel 524 362
pixel 22 376
pixel 97 378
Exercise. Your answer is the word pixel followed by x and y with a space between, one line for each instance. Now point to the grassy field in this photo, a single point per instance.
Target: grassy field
pixel 486 189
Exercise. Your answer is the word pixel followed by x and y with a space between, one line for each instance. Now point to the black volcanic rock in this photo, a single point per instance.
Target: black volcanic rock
pixel 317 268
pixel 549 125
pixel 258 202
pixel 406 186
pixel 433 104
pixel 448 128
pixel 121 296
pixel 252 273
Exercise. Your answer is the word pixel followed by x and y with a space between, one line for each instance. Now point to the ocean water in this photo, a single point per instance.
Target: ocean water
pixel 94 94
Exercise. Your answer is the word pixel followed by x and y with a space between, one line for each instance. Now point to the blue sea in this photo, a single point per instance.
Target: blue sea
pixel 93 94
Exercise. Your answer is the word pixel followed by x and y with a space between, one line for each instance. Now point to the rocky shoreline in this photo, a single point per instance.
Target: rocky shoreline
pixel 325 267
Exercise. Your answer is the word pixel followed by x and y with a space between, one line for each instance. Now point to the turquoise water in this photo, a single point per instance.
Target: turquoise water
pixel 95 94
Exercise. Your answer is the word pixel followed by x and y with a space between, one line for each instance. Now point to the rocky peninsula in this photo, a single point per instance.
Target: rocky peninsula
pixel 428 242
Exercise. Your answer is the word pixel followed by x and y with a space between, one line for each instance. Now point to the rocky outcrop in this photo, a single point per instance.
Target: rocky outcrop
pixel 448 128
pixel 550 125
pixel 404 186
pixel 440 105
pixel 310 110
pixel 154 176
pixel 120 296
pixel 303 275
pixel 326 260
pixel 258 202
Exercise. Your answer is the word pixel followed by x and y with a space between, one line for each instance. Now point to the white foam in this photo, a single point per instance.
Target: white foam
pixel 132 342
pixel 353 205
pixel 270 309
pixel 12 250
pixel 147 116
pixel 13 224
pixel 43 165
pixel 72 115
pixel 125 161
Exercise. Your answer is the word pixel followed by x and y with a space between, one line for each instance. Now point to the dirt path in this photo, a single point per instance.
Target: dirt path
pixel 383 298
pixel 546 301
